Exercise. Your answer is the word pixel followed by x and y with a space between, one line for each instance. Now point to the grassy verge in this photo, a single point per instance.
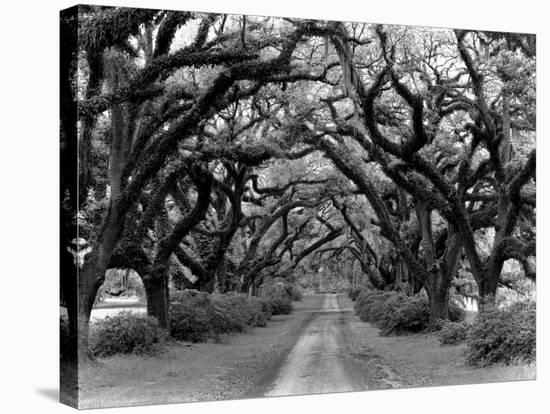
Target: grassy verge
pixel 419 359
pixel 120 304
pixel 187 372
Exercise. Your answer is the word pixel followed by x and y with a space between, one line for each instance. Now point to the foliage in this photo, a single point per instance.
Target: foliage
pixel 278 296
pixel 456 313
pixel 198 316
pixel 114 282
pixel 295 293
pixel 164 87
pixel 369 304
pixel 396 313
pixel 264 304
pixel 514 285
pixel 192 317
pixel 354 293
pixel 125 333
pixel 505 335
pixel 402 314
pixel 452 333
pixel 89 219
pixel 240 309
pixel 113 27
pixel 281 305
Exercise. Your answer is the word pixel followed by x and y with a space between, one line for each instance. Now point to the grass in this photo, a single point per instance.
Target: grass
pixel 120 304
pixel 187 372
pixel 214 371
pixel 420 360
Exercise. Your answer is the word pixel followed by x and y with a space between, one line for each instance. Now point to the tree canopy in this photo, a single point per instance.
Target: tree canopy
pixel 220 150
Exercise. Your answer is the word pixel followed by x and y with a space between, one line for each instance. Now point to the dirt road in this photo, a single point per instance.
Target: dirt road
pixel 321 361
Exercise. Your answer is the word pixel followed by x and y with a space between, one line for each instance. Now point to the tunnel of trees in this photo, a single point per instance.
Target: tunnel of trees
pixel 235 148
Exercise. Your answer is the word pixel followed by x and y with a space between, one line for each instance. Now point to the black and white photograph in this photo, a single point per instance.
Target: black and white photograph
pixel 274 207
pixel 256 206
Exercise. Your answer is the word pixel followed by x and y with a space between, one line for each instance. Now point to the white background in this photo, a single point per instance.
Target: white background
pixel 29 211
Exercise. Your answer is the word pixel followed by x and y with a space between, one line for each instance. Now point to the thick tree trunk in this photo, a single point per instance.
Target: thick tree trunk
pixel 92 274
pixel 157 300
pixel 85 305
pixel 69 290
pixel 438 285
pixel 438 296
pixel 488 286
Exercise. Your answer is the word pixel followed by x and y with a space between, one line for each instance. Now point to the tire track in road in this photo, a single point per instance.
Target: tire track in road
pixel 316 364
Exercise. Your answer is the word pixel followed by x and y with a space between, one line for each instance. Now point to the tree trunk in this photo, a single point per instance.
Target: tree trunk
pixel 220 282
pixel 69 290
pixel 491 272
pixel 156 291
pixel 206 284
pixel 85 305
pixel 438 296
pixel 92 274
pixel 488 287
pixel 251 289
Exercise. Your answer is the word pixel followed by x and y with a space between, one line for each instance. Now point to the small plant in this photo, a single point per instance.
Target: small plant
pixel 505 335
pixel 125 333
pixel 453 333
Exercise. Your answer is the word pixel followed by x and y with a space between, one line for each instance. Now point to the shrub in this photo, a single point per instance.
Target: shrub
pixel 456 312
pixel 125 333
pixel 369 304
pixel 231 313
pixel 239 310
pixel 295 293
pixel 265 306
pixel 198 316
pixel 276 293
pixel 395 312
pixel 453 333
pixel 401 314
pixel 503 335
pixel 193 318
pixel 190 316
pixel 280 304
pixel 353 293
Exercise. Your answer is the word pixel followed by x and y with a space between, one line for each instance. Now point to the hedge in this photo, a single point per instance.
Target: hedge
pixel 396 313
pixel 505 335
pixel 198 316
